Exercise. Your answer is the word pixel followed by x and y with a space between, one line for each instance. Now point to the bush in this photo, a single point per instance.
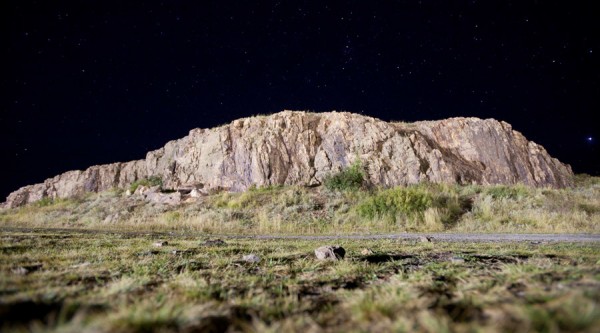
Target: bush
pixel 149 182
pixel 514 192
pixel 408 201
pixel 351 178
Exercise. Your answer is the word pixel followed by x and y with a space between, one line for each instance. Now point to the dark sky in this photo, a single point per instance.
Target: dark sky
pixel 90 82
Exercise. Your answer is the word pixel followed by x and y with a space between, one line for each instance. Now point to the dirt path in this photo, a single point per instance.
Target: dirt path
pixel 447 237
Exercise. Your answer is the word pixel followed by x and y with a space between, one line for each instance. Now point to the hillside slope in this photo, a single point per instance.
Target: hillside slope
pixel 302 148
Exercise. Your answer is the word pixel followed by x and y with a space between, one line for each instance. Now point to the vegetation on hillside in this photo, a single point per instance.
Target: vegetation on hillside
pixel 148 182
pixel 349 179
pixel 294 209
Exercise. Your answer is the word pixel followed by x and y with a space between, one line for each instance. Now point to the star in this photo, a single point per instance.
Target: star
pixel 590 139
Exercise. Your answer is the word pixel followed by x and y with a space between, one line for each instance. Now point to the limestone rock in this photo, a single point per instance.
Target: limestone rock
pixel 252 258
pixel 330 252
pixel 366 252
pixel 302 148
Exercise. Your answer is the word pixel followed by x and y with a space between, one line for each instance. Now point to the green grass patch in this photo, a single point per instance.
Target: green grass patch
pixel 408 201
pixel 351 178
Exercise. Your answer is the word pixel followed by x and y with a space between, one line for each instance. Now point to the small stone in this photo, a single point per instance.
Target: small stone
pixel 214 242
pixel 366 252
pixel 457 260
pixel 24 270
pixel 20 271
pixel 160 244
pixel 83 264
pixel 425 239
pixel 141 190
pixel 253 258
pixel 330 252
pixel 148 253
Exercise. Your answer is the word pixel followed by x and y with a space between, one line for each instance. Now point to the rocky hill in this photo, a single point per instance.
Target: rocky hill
pixel 302 148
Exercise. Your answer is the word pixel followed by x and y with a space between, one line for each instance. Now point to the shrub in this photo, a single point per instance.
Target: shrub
pixel 408 201
pixel 513 192
pixel 149 182
pixel 351 178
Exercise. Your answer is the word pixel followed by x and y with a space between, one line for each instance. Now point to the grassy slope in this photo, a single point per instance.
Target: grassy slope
pixel 289 210
pixel 108 283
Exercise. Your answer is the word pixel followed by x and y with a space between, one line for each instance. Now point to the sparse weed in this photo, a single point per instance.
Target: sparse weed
pixel 150 181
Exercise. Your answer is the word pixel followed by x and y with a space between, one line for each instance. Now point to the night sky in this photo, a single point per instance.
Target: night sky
pixel 93 82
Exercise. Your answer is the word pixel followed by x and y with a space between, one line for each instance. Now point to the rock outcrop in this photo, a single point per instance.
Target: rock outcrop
pixel 302 148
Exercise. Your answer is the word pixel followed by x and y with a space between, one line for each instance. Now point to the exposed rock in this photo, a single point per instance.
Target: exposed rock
pixel 141 190
pixel 457 260
pixel 82 265
pixel 164 198
pixel 160 244
pixel 24 270
pixel 253 258
pixel 366 252
pixel 425 239
pixel 302 148
pixel 330 252
pixel 214 242
pixel 148 253
pixel 183 252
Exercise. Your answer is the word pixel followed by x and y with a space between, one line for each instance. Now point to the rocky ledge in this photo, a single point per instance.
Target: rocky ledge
pixel 302 148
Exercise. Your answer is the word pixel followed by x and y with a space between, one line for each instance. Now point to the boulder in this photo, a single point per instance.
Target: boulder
pixel 330 252
pixel 302 148
pixel 164 198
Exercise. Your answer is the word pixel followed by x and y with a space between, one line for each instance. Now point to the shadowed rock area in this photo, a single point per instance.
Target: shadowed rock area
pixel 302 148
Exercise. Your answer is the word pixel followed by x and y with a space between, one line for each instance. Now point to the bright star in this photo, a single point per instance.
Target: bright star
pixel 590 139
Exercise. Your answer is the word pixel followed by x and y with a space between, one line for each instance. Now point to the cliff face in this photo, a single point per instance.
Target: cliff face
pixel 302 148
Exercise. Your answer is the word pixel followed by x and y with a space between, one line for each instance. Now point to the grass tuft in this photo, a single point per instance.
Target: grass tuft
pixel 149 182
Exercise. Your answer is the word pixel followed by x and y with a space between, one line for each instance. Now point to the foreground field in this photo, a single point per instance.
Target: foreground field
pixel 121 282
